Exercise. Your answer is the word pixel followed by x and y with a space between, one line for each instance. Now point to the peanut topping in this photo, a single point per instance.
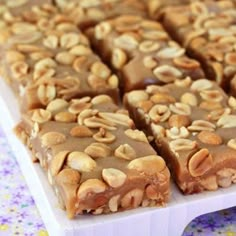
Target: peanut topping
pixel 100 70
pixel 227 121
pixel 179 121
pixel 113 203
pixel 137 96
pixel 182 145
pixel 200 163
pixel 201 84
pixel 148 46
pixel 113 177
pixel 189 99
pixel 65 116
pixel 81 131
pixel 171 52
pixel 102 30
pixel 180 108
pixel 176 133
pixel 104 136
pixel 232 143
pixel 118 118
pixel 125 151
pixel 97 150
pixel 136 135
pixel 150 165
pixel 209 137
pixel 57 105
pixel 90 186
pixel 52 138
pixel 119 58
pixel 126 41
pixel 200 125
pixel 159 113
pixel 57 162
pixel 41 115
pixel 132 199
pixel 166 73
pixel 81 161
pixel 68 176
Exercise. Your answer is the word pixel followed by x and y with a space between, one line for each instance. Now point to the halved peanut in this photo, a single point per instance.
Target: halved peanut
pixel 57 105
pixel 81 131
pixel 149 165
pixel 89 187
pixel 125 151
pixel 78 107
pixel 104 136
pixel 148 46
pixel 159 113
pixel 98 150
pixel 102 30
pixel 201 84
pixel 200 125
pixel 126 41
pixel 227 121
pixel 186 63
pixel 209 137
pixel 19 69
pixel 200 163
pixel 149 62
pixel 68 176
pixel 176 133
pixel 179 121
pixel 69 40
pixel 13 56
pixel 81 161
pixel 171 52
pixel 162 98
pixel 136 135
pixel 137 96
pixel 132 199
pixel 180 108
pixel 100 70
pixel 96 122
pixel 167 73
pixel 51 41
pixel 46 93
pixel 65 116
pixel 189 99
pixel 57 162
pixel 232 143
pixel 117 118
pixel 182 145
pixel 65 58
pixel 119 58
pixel 100 99
pixel 41 115
pixel 114 177
pixel 212 95
pixel 52 138
pixel 113 203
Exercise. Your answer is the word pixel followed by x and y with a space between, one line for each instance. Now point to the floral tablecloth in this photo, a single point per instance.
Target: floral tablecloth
pixel 19 215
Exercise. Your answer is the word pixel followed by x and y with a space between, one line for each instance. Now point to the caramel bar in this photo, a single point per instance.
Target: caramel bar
pixel 88 13
pixel 141 52
pixel 55 63
pixel 96 161
pixel 207 30
pixel 194 125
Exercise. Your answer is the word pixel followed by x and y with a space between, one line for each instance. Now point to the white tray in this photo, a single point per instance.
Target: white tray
pixel 170 220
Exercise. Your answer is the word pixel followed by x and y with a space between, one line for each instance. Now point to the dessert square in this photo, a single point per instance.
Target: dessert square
pixel 95 159
pixel 193 125
pixel 141 52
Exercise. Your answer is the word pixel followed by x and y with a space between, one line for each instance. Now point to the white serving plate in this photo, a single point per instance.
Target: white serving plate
pixel 170 220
